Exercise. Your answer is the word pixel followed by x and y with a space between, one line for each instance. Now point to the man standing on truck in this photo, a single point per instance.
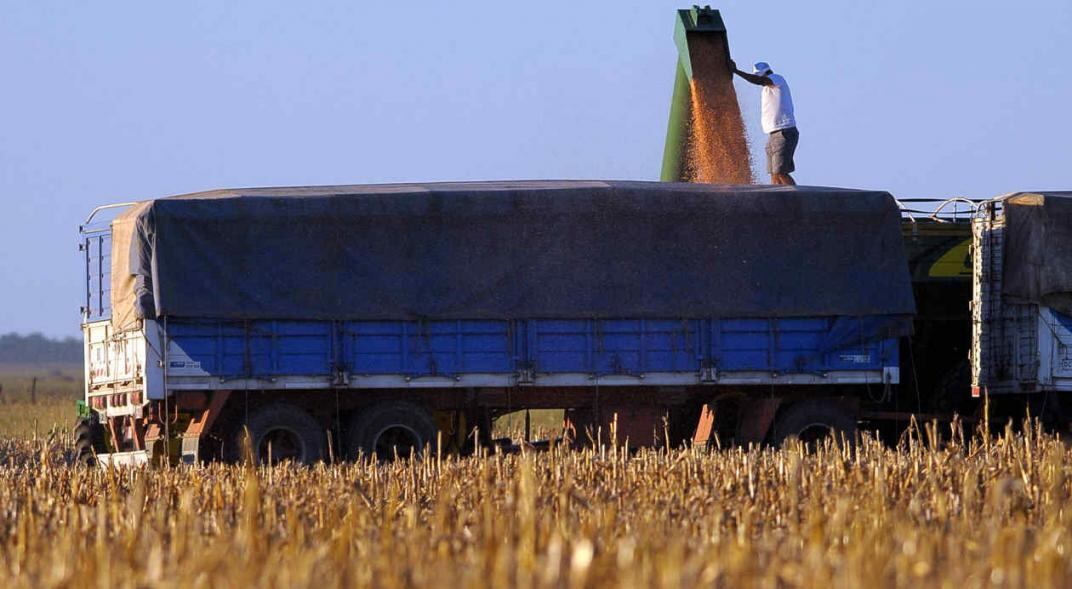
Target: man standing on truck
pixel 777 119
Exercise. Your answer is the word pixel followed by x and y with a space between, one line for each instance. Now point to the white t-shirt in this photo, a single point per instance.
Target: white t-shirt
pixel 777 106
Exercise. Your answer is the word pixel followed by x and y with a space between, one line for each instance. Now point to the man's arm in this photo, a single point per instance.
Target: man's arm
pixel 754 79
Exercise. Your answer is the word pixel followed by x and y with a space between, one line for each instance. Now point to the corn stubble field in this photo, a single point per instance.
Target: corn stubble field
pixel 966 513
pixel 37 398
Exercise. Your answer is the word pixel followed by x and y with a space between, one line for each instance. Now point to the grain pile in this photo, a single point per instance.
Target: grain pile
pixel 718 150
pixel 967 514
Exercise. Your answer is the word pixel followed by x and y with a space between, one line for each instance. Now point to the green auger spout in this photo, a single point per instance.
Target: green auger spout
pixel 690 24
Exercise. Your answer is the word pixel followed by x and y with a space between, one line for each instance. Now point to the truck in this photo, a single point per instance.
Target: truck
pixel 1022 303
pixel 314 323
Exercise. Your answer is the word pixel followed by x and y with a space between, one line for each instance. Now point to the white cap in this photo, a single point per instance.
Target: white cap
pixel 761 68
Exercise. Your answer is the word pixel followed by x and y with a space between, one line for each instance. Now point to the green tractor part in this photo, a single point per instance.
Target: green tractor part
pixel 691 25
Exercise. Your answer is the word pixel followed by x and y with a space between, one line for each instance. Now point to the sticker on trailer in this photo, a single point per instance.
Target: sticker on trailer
pixel 856 358
pixel 184 364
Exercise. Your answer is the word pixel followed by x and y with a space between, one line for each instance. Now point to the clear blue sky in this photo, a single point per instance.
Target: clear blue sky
pixel 113 101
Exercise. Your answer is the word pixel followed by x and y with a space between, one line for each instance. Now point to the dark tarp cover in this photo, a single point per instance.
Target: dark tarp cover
pixel 516 250
pixel 1037 266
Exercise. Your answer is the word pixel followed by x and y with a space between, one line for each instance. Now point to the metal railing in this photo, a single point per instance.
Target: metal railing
pixel 940 212
pixel 85 226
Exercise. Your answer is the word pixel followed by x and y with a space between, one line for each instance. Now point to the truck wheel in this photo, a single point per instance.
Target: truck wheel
pixel 87 439
pixel 386 428
pixel 283 432
pixel 811 421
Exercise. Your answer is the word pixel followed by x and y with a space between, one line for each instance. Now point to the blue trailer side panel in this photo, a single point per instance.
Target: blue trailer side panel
pixel 792 345
pixel 234 349
pixel 413 349
pixel 614 346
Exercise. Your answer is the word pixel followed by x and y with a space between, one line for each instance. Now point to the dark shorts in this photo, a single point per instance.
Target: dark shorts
pixel 781 145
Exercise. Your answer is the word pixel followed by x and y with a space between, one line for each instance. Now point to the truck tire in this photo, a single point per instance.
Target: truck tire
pixel 812 420
pixel 283 431
pixel 383 429
pixel 87 440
